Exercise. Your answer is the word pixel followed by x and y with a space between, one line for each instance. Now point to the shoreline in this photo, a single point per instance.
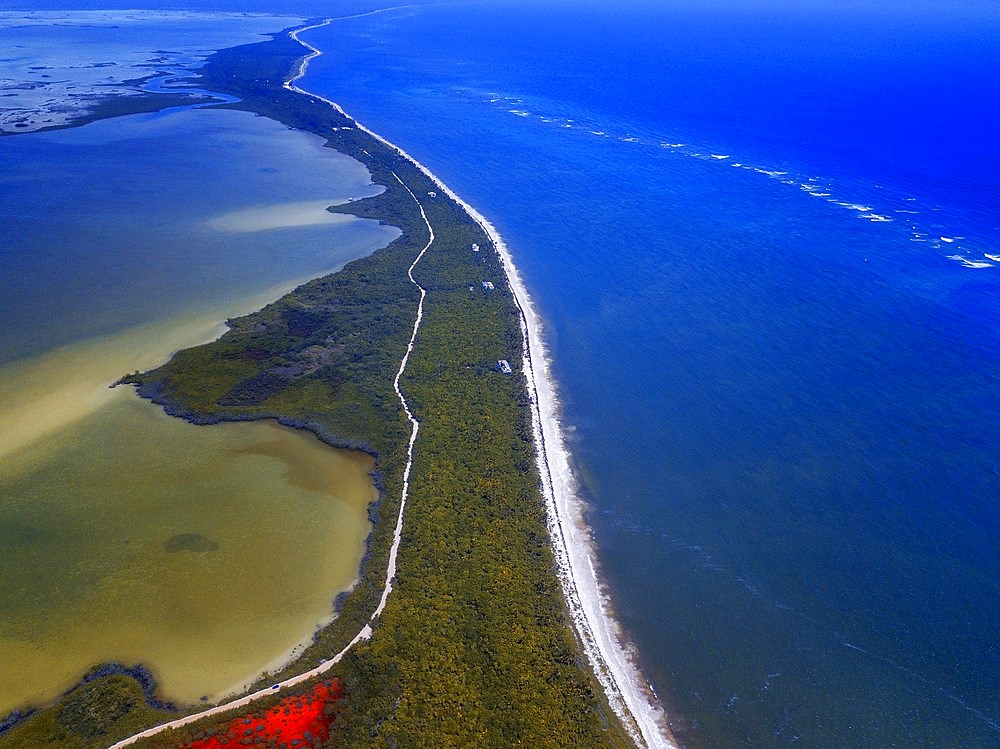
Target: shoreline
pixel 600 634
pixel 593 627
pixel 629 694
pixel 31 420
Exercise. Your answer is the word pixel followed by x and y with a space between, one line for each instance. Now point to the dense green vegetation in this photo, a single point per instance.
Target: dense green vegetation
pixel 112 704
pixel 474 647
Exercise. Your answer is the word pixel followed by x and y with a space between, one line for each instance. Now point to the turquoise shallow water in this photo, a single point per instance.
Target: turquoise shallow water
pixel 760 236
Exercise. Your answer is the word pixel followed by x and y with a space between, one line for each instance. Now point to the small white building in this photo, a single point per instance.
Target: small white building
pixel 475 247
pixel 488 285
pixel 504 366
pixel 432 194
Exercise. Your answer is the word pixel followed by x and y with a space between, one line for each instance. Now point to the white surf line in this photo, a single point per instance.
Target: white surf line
pixel 376 12
pixel 366 631
pixel 628 692
pixel 304 62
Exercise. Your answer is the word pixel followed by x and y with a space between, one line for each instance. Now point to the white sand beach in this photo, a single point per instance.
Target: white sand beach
pixel 628 692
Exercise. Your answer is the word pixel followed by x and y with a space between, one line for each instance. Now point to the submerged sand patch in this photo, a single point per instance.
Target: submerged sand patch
pixel 279 216
pixel 42 395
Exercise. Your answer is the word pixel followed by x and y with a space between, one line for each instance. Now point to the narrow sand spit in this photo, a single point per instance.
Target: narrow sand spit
pixel 629 693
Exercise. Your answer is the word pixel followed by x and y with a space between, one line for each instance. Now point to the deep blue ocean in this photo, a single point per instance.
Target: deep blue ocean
pixel 759 236
pixel 764 238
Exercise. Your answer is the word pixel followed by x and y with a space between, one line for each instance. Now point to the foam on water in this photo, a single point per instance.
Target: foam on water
pixel 970 263
pixel 813 186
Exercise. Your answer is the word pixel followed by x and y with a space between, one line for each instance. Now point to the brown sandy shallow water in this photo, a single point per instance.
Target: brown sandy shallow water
pixel 205 553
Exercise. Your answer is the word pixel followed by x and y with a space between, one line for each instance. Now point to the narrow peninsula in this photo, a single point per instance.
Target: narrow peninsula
pixel 398 354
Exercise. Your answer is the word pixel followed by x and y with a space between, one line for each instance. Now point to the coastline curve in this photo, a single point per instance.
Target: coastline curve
pixel 630 695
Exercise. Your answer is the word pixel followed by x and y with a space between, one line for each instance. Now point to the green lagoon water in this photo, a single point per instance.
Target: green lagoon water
pixel 205 553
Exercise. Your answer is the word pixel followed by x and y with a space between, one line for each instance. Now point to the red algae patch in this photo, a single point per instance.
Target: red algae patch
pixel 301 720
